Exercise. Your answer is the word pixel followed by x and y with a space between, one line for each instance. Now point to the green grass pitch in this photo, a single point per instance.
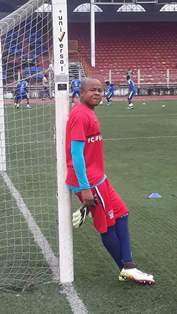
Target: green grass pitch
pixel 140 157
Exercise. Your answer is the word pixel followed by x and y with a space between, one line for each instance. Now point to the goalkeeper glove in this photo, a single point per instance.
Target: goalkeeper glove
pixel 79 216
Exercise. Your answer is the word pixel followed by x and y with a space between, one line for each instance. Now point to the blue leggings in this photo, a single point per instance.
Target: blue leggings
pixel 117 242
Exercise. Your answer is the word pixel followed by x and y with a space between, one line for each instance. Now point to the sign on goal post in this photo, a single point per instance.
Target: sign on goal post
pixel 60 44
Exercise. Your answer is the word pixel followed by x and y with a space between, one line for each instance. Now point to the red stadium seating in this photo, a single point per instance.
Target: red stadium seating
pixel 150 48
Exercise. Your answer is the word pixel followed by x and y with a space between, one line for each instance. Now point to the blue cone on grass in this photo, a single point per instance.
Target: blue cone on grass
pixel 154 195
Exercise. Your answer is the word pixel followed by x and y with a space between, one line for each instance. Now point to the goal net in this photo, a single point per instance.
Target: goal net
pixel 28 180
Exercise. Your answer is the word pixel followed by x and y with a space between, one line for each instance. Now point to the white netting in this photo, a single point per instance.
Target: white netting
pixel 28 236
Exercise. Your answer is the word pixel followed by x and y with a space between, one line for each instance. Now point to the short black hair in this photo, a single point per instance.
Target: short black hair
pixel 128 77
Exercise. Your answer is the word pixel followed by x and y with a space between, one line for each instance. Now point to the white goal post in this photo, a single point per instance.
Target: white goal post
pixel 34 45
pixel 61 68
pixel 2 126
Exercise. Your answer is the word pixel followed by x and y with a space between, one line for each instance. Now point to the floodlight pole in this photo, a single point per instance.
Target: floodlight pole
pixel 92 32
pixel 60 44
pixel 168 78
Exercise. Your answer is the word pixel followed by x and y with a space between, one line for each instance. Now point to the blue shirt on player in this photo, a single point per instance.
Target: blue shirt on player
pixel 75 87
pixel 131 85
pixel 109 90
pixel 21 88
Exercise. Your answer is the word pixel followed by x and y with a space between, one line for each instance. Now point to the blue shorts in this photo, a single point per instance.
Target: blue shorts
pixel 21 96
pixel 131 94
pixel 108 95
pixel 76 93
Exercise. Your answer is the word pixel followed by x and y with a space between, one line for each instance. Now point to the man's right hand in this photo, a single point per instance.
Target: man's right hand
pixel 88 199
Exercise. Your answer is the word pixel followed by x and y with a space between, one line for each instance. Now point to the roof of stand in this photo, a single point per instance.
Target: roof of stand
pixel 109 9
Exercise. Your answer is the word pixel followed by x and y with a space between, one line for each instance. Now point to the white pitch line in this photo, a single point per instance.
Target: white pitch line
pixel 76 304
pixel 117 116
pixel 140 137
pixel 131 138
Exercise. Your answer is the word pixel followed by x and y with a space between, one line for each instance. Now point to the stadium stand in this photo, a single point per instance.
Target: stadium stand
pixel 148 47
pixel 123 41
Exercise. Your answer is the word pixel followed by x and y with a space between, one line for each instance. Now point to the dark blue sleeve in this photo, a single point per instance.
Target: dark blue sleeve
pixel 77 152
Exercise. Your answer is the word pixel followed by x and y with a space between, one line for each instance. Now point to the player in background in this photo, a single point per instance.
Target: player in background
pixel 131 93
pixel 86 178
pixel 75 89
pixel 109 92
pixel 45 85
pixel 21 92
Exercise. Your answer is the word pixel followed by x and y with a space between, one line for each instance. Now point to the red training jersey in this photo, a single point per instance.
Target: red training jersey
pixel 83 125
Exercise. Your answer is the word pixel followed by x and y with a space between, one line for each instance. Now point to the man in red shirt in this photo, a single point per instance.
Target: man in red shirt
pixel 86 178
